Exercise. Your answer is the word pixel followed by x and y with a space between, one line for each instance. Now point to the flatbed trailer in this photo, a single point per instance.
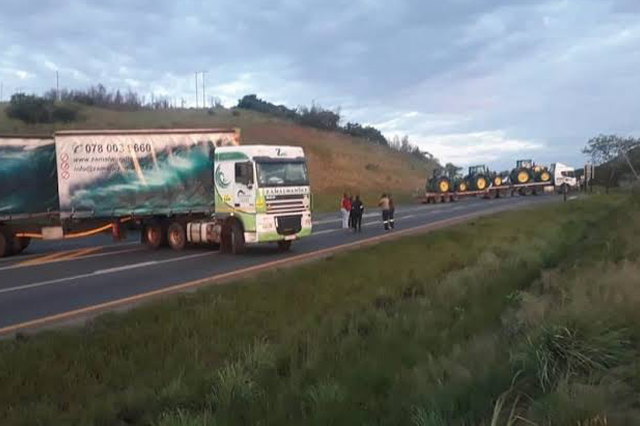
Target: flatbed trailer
pixel 503 191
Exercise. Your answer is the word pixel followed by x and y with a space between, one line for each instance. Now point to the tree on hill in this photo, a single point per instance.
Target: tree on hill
pixel 32 109
pixel 609 152
pixel 451 170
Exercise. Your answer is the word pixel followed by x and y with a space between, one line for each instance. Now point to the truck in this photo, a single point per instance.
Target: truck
pixel 563 175
pixel 177 186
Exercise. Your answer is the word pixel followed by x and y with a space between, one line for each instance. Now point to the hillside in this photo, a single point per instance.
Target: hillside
pixel 337 162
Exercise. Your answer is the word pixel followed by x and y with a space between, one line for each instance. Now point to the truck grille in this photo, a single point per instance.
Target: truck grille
pixel 289 225
pixel 286 204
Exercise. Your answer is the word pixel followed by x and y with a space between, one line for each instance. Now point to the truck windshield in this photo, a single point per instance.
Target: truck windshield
pixel 282 174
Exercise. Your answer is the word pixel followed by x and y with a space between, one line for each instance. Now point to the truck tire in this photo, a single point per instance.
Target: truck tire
pixel 153 235
pixel 5 244
pixel 177 236
pixel 284 246
pixel 20 243
pixel 236 241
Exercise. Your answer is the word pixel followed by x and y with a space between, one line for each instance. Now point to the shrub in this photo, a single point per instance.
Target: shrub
pixel 32 109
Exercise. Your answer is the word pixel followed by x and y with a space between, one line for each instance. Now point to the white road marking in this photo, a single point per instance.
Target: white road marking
pixel 125 268
pixel 102 272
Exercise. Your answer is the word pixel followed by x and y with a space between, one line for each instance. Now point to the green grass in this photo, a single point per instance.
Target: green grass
pixel 525 314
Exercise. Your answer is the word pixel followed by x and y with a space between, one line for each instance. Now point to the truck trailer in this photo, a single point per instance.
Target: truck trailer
pixel 179 186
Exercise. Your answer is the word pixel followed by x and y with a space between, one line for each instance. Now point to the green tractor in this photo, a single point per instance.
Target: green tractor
pixel 439 183
pixel 542 173
pixel 478 179
pixel 460 184
pixel 527 172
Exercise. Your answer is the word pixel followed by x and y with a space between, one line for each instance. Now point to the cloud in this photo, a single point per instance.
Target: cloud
pixel 540 75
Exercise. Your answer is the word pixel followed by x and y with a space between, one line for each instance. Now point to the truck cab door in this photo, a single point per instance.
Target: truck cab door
pixel 245 191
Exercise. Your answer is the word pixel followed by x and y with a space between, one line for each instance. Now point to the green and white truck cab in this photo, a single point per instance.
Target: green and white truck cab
pixel 262 195
pixel 267 188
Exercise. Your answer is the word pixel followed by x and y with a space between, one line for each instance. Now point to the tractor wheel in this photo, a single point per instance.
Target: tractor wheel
pixel 462 187
pixel 523 176
pixel 497 181
pixel 481 183
pixel 545 176
pixel 443 186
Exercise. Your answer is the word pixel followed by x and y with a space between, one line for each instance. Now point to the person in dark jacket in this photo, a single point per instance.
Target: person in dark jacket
pixel 351 212
pixel 357 208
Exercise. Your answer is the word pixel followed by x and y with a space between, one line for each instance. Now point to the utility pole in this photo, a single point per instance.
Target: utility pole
pixel 57 86
pixel 196 74
pixel 204 91
pixel 1 91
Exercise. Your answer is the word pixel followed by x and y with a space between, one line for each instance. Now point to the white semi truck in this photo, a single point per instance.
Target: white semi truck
pixel 179 186
pixel 563 175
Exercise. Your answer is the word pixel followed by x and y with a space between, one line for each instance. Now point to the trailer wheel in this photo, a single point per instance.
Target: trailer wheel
pixel 153 235
pixel 177 236
pixel 284 246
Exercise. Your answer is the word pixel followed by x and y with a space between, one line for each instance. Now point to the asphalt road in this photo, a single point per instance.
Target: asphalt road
pixel 54 278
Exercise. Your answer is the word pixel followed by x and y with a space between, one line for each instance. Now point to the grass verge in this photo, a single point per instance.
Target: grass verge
pixel 488 322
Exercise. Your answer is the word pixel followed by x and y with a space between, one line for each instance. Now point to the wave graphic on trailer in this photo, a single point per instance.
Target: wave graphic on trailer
pixel 178 179
pixel 28 179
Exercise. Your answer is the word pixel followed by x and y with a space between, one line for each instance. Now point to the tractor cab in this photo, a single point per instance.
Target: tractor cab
pixel 524 164
pixel 478 170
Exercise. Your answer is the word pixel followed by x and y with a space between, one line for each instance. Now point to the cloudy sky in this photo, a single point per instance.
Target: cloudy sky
pixel 472 81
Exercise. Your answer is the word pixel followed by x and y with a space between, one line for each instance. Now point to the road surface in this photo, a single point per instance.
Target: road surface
pixel 55 281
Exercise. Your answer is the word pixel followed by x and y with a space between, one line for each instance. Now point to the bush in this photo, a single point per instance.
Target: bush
pixel 64 114
pixel 32 109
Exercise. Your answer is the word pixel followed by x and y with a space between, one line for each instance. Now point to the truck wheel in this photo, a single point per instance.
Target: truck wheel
pixel 20 243
pixel 5 244
pixel 153 235
pixel 236 236
pixel 177 236
pixel 284 245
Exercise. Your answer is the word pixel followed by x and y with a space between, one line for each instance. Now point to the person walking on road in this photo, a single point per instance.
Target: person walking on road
pixel 351 212
pixel 392 211
pixel 357 208
pixel 345 209
pixel 384 204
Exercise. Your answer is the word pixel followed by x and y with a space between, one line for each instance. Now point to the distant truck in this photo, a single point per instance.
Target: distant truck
pixel 563 175
pixel 194 186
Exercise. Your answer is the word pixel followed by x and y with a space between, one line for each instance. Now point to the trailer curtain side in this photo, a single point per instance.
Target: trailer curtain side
pixel 28 177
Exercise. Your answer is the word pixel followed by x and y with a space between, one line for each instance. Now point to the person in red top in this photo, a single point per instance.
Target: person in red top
pixel 345 209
